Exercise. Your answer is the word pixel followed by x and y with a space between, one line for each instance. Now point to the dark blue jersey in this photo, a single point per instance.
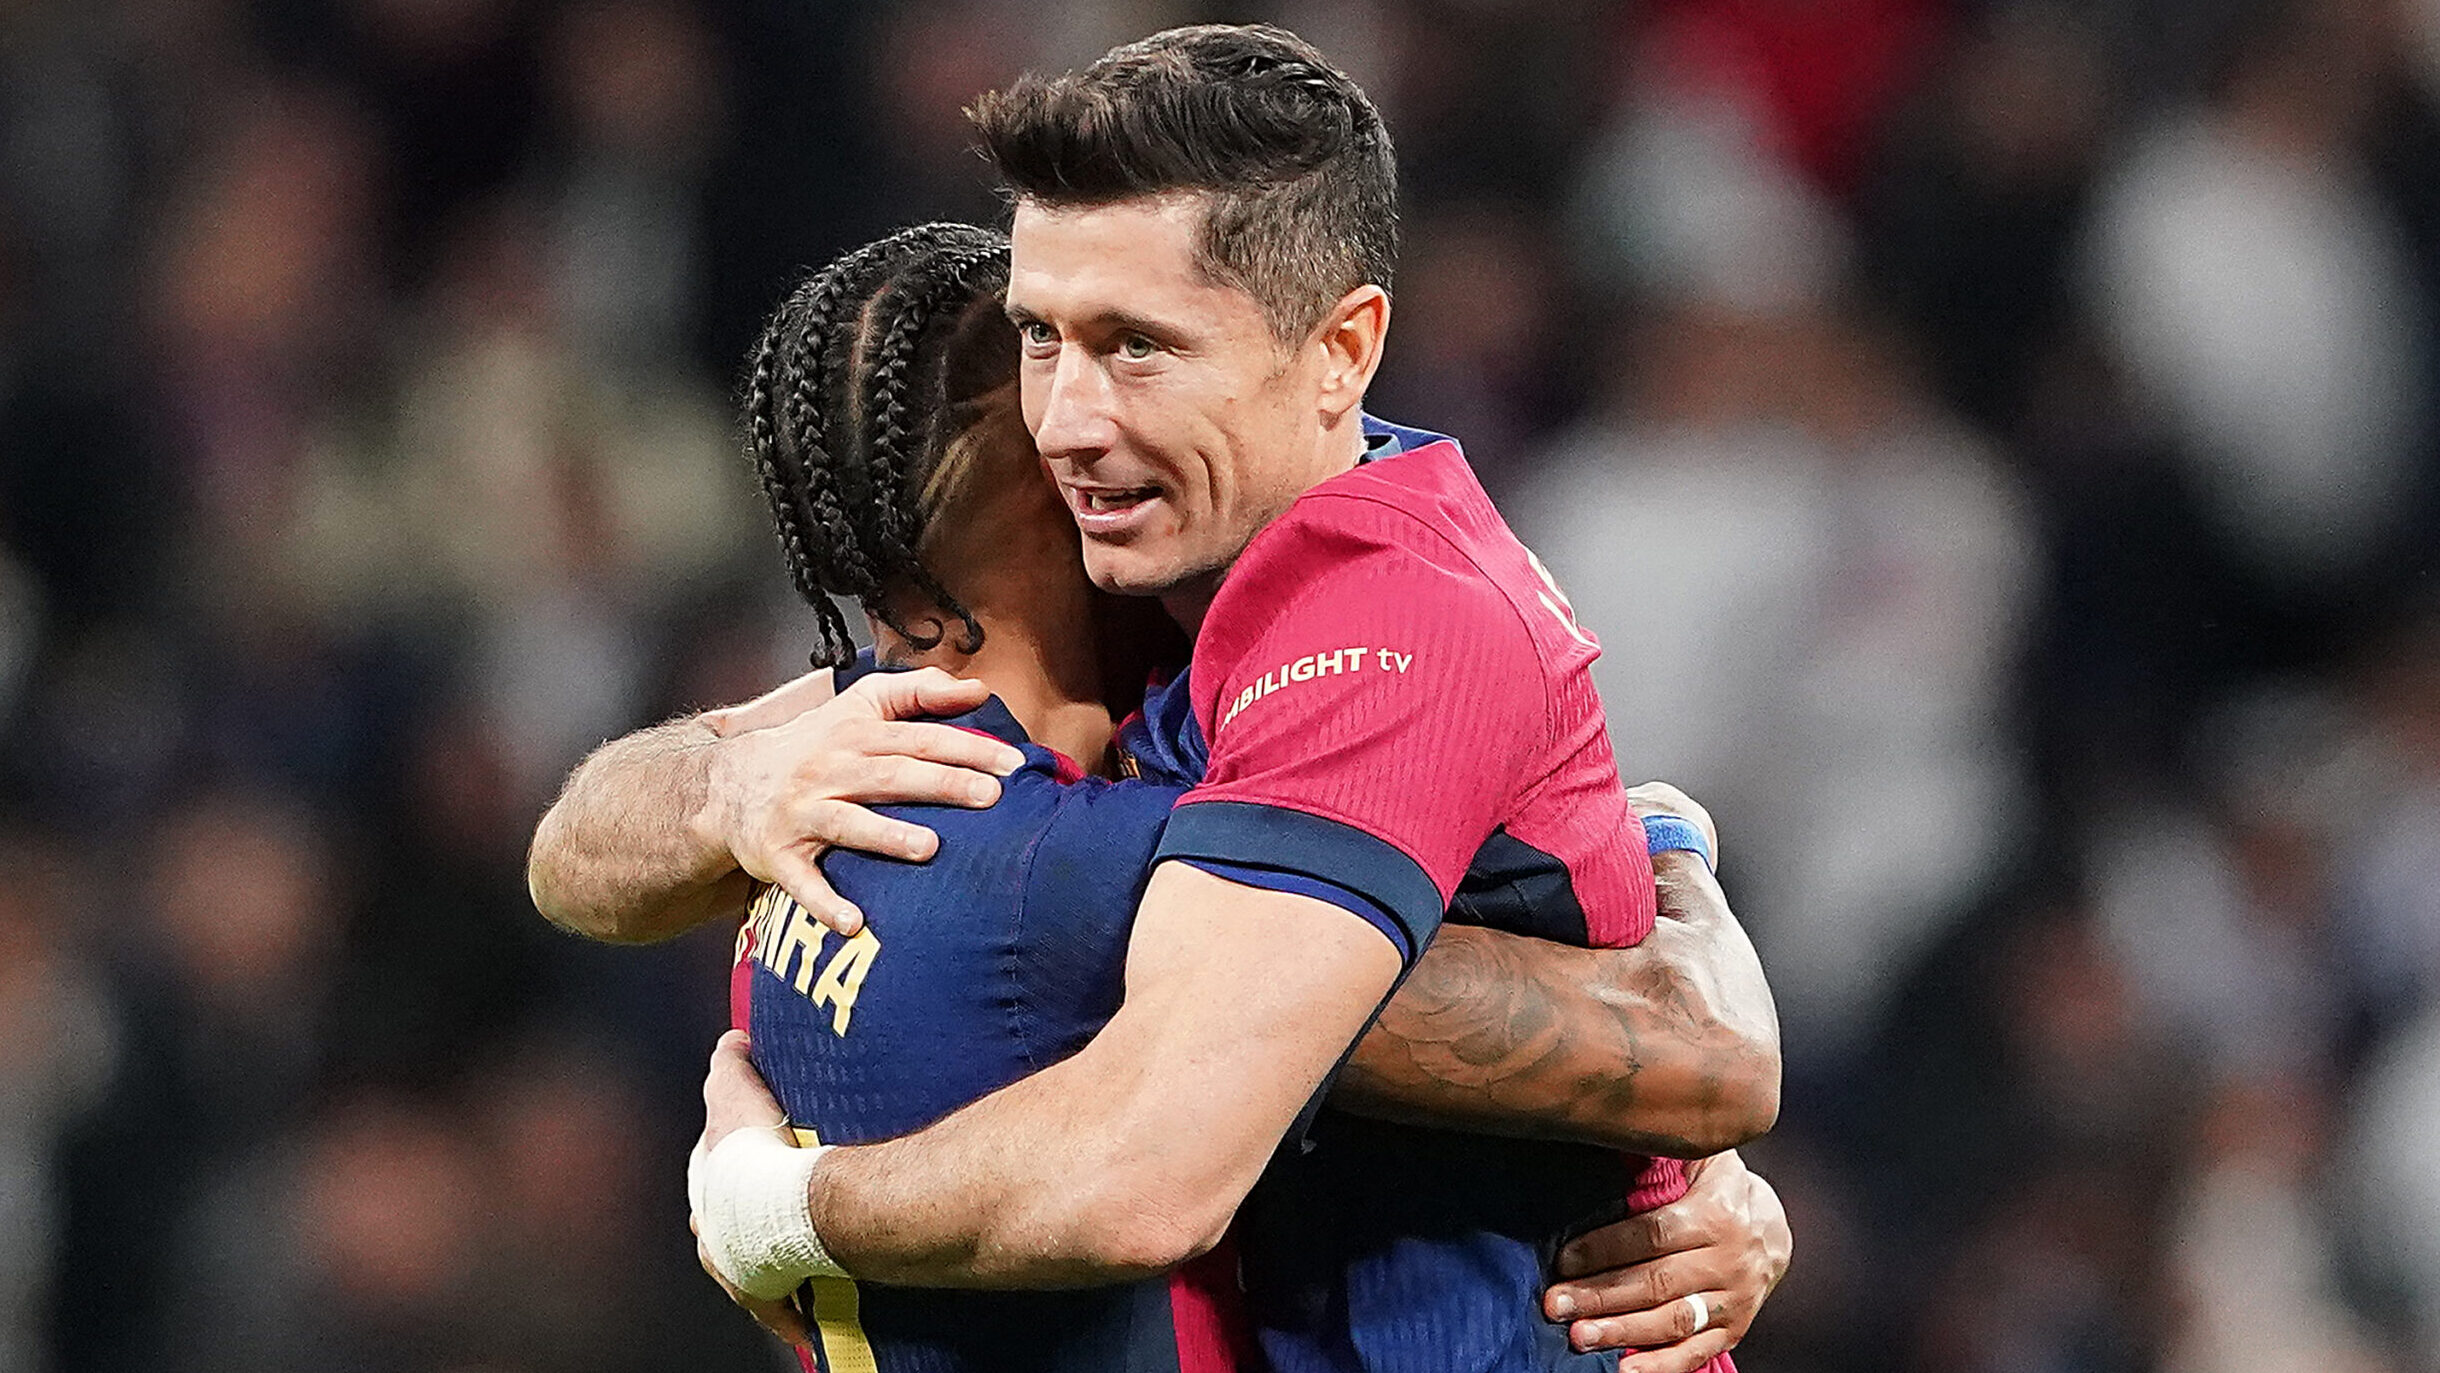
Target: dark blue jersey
pixel 998 958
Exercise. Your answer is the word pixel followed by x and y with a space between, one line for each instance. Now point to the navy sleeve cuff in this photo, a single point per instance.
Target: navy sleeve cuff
pixel 1279 849
pixel 1347 899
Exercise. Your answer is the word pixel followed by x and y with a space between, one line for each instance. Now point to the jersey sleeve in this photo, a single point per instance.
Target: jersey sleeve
pixel 1373 704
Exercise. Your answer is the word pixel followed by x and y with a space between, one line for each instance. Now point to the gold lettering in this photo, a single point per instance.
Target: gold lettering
pixel 843 979
pixel 801 937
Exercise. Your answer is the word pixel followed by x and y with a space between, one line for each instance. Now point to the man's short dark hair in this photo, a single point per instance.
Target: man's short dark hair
pixel 1297 164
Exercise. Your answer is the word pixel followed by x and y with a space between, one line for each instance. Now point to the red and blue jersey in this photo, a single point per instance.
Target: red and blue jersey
pixel 1392 708
pixel 1389 693
pixel 1389 709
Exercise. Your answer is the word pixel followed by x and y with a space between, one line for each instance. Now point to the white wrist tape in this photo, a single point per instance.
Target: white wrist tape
pixel 750 1198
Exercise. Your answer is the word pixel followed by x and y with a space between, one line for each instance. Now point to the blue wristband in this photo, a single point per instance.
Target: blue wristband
pixel 1672 833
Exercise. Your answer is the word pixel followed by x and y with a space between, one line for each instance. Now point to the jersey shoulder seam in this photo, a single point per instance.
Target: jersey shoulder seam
pixel 1317 811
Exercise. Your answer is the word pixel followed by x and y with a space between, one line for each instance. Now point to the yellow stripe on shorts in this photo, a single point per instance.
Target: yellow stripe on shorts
pixel 838 1316
pixel 834 1306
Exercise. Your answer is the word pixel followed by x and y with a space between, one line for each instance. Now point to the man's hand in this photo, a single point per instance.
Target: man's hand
pixel 779 795
pixel 1626 1286
pixel 781 1318
pixel 668 827
pixel 777 706
pixel 736 1098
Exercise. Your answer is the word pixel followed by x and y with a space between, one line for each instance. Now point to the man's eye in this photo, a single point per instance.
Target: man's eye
pixel 1037 334
pixel 1137 347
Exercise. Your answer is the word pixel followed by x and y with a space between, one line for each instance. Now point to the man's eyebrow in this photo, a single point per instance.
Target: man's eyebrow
pixel 1112 320
pixel 1130 322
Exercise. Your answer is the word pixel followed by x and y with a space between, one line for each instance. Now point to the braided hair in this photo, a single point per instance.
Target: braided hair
pixel 864 377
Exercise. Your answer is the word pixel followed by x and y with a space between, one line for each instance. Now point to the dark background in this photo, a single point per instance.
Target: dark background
pixel 1996 441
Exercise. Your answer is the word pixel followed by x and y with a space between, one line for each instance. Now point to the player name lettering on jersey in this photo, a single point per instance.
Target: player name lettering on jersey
pixel 1329 662
pixel 778 933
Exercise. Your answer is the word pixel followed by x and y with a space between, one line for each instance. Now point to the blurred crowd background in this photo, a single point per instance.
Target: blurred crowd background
pixel 1999 443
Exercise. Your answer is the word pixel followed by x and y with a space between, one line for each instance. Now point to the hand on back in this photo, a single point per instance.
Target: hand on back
pixel 799 769
pixel 735 1098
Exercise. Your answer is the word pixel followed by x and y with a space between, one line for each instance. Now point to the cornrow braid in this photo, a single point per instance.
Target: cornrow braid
pixel 937 289
pixel 788 445
pixel 848 412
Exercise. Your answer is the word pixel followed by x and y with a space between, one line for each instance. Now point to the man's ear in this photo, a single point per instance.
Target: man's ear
pixel 1351 336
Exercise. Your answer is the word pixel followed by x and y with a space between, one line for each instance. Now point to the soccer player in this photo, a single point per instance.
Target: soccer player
pixel 1202 238
pixel 919 1048
pixel 1005 953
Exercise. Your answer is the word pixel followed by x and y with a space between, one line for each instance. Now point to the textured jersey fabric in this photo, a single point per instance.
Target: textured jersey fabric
pixel 1390 694
pixel 994 960
pixel 1389 709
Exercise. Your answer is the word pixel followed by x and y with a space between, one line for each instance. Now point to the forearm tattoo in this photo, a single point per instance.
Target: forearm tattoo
pixel 1511 1035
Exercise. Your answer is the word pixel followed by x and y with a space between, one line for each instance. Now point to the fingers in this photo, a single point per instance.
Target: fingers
pixel 939 743
pixel 925 691
pixel 775 707
pixel 780 1318
pixel 732 1046
pixel 792 870
pixel 1640 1237
pixel 1653 1325
pixel 846 825
pixel 887 780
pixel 1644 1287
pixel 1687 1357
pixel 734 1095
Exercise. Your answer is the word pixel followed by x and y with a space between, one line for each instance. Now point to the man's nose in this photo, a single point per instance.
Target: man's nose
pixel 1075 415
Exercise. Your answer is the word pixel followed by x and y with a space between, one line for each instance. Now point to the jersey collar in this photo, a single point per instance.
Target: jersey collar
pixel 1383 439
pixel 991 717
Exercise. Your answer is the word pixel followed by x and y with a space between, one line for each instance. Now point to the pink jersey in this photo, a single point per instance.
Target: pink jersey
pixel 1392 690
pixel 1392 709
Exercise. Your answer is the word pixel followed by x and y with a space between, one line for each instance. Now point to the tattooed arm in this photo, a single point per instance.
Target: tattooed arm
pixel 1670 1047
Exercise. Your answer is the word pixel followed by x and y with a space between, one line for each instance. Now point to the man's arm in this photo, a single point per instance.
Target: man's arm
pixel 1670 1047
pixel 617 856
pixel 665 828
pixel 1130 1157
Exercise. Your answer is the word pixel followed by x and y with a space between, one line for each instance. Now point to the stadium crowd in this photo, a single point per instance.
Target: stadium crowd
pixel 1999 444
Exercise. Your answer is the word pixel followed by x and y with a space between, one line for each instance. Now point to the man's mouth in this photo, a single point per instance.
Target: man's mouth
pixel 1110 510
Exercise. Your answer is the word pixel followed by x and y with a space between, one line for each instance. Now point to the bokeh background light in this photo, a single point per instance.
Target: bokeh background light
pixel 1997 440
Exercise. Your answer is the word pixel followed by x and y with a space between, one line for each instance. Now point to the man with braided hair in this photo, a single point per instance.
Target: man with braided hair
pixel 1388 697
